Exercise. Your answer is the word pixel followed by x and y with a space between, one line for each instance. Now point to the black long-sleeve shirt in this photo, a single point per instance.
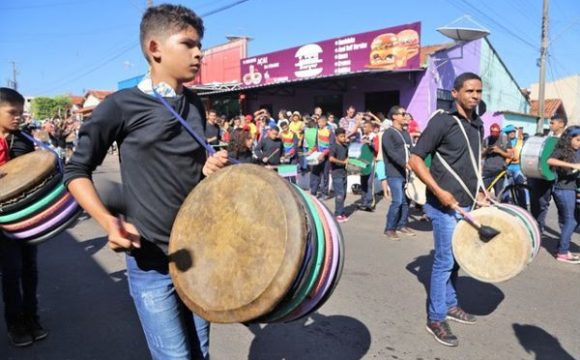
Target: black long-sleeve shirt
pixel 18 144
pixel 160 161
pixel 272 149
pixel 394 153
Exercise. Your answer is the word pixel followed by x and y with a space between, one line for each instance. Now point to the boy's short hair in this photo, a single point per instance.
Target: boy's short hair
pixel 167 19
pixel 10 96
pixel 339 131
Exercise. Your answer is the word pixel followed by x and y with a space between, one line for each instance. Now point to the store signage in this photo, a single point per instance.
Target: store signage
pixel 394 48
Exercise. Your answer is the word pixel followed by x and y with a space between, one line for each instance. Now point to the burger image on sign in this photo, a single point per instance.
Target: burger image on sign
pixel 409 39
pixel 308 61
pixel 387 53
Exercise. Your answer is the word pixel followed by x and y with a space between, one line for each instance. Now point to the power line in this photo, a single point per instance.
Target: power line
pixel 493 21
pixel 125 50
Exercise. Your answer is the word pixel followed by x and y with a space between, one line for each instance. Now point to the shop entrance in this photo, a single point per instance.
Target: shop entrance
pixel 329 104
pixel 381 101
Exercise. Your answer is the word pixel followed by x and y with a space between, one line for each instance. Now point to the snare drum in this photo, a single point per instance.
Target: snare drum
pixel 534 157
pixel 233 264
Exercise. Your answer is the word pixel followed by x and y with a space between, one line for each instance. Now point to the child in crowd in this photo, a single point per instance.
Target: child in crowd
pixel 240 146
pixel 566 161
pixel 270 148
pixel 338 158
pixel 290 142
pixel 319 175
pixel 18 260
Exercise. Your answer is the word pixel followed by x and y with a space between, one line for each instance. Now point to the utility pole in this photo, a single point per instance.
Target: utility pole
pixel 14 73
pixel 543 53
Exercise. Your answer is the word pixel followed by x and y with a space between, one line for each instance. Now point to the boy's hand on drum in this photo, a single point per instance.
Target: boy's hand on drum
pixel 483 199
pixel 123 236
pixel 215 162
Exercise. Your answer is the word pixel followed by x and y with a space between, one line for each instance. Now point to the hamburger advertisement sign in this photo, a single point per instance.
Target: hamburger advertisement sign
pixel 394 48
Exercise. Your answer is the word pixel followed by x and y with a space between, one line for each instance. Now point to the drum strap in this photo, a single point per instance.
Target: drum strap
pixel 210 150
pixel 476 165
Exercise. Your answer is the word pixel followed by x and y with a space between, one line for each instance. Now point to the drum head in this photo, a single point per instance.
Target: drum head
pixel 24 172
pixel 237 244
pixel 500 259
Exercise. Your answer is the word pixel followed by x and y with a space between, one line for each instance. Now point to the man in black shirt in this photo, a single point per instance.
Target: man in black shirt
pixel 160 164
pixel 338 158
pixel 453 139
pixel 396 147
pixel 496 149
pixel 212 129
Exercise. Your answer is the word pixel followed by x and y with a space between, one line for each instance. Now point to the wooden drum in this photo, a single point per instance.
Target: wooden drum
pixel 248 246
pixel 504 256
pixel 34 204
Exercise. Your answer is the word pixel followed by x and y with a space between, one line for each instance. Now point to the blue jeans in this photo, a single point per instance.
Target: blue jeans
pixel 566 203
pixel 19 279
pixel 339 185
pixel 442 294
pixel 320 176
pixel 171 330
pixel 540 195
pixel 367 188
pixel 399 210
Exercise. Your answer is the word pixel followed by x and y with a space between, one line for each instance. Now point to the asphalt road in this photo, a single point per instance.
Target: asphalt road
pixel 376 312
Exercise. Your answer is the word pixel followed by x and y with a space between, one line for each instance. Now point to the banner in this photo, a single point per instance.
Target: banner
pixel 394 48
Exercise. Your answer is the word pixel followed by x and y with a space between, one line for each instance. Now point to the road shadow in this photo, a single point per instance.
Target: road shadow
pixel 539 342
pixel 335 337
pixel 89 313
pixel 475 297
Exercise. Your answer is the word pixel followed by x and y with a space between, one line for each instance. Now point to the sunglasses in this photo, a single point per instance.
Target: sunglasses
pixel 402 113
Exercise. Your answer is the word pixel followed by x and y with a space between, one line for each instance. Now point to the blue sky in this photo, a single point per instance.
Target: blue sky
pixel 68 46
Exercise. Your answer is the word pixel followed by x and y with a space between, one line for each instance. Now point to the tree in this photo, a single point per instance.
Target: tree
pixel 46 107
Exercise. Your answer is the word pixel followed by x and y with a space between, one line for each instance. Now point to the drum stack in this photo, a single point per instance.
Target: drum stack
pixel 248 246
pixel 504 256
pixel 34 204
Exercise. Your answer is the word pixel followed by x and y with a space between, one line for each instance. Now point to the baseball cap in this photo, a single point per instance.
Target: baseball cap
pixel 494 128
pixel 509 128
pixel 249 117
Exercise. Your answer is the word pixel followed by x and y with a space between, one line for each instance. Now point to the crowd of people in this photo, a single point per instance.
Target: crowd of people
pixel 316 143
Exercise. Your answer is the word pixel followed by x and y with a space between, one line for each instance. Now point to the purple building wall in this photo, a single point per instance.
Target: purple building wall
pixel 442 69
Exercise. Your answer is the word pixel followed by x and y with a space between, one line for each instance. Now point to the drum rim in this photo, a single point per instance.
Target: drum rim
pixel 522 219
pixel 57 230
pixel 542 172
pixel 42 172
pixel 34 208
pixel 341 251
pixel 37 218
pixel 287 306
pixel 273 293
pixel 468 268
pixel 325 279
pixel 48 185
pixel 298 284
pixel 53 221
pixel 534 225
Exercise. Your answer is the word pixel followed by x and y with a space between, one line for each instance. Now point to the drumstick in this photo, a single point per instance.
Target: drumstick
pixel 272 154
pixel 486 233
